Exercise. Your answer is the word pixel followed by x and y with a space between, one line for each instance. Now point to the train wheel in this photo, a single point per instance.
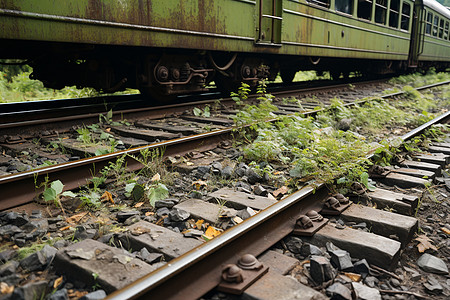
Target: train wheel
pixel 287 75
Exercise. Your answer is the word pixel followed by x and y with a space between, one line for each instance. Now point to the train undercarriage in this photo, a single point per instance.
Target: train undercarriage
pixel 162 74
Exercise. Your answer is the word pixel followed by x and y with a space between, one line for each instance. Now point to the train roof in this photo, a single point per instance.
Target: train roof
pixel 437 7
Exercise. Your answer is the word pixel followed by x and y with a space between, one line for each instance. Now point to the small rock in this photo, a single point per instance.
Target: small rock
pixel 364 292
pixel 9 268
pixel 131 220
pixel 294 244
pixel 341 259
pixel 97 295
pixel 371 281
pixel 123 215
pixel 59 295
pixel 331 247
pixel 34 262
pixel 17 219
pixel 163 211
pixel 339 291
pixel 395 282
pixel 30 291
pixel 260 191
pixel 433 286
pixel 227 172
pixel 49 253
pixel 362 225
pixel 9 230
pixel 432 264
pixel 253 177
pixel 7 255
pixel 321 269
pixel 164 203
pixel 361 267
pixel 308 249
pixel 344 124
pixel 178 215
pixel 150 257
pixel 82 233
pixel 193 233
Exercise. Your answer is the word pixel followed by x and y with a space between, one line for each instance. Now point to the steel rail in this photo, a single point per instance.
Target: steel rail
pixel 198 271
pixel 20 188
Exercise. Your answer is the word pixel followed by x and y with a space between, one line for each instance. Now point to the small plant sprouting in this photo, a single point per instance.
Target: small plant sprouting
pixel 206 112
pixel 54 192
pixel 242 93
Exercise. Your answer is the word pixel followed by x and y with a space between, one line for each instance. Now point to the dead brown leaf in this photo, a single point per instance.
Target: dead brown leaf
pixel 5 288
pixel 445 230
pixel 424 243
pixel 199 184
pixel 107 196
pixel 199 223
pixel 156 177
pixel 282 190
pixel 353 276
pixel 57 282
pixel 139 204
pixel 211 232
pixel 75 219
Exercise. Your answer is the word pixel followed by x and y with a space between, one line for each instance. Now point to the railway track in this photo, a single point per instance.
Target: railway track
pixel 203 266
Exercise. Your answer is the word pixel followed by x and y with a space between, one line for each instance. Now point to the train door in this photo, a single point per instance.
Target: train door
pixel 269 22
pixel 417 31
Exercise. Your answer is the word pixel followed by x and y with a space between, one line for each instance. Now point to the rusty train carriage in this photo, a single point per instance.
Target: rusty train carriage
pixel 176 46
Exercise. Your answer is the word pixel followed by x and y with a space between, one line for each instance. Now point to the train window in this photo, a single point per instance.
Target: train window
pixel 441 28
pixel 393 13
pixel 429 23
pixel 406 13
pixel 435 25
pixel 446 31
pixel 380 11
pixel 365 9
pixel 345 6
pixel 324 3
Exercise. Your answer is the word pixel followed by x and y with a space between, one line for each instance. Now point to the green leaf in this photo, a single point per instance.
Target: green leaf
pixel 58 186
pixel 159 192
pixel 197 111
pixel 207 112
pixel 49 194
pixel 69 194
pixel 138 192
pixel 105 135
pixel 109 115
pixel 341 180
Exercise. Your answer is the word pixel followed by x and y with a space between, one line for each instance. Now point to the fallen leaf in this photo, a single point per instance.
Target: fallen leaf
pixel 353 276
pixel 277 172
pixel 5 288
pixel 149 213
pixel 108 129
pixel 139 204
pixel 211 233
pixel 75 219
pixel 424 243
pixel 156 177
pixel 64 228
pixel 199 223
pixel 189 163
pixel 77 294
pixel 199 184
pixel 282 190
pixel 445 230
pixel 107 196
pixel 57 282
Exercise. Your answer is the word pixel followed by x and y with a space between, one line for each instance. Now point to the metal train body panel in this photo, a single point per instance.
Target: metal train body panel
pixel 146 44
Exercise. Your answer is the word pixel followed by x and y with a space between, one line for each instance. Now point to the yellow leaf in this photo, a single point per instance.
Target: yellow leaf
pixel 149 213
pixel 107 196
pixel 424 243
pixel 57 282
pixel 64 228
pixel 446 230
pixel 156 177
pixel 139 204
pixel 353 276
pixel 211 233
pixel 199 223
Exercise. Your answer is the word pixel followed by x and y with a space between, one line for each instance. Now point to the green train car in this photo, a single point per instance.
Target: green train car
pixel 169 47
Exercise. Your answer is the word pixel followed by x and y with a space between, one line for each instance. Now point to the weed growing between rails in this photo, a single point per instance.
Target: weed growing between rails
pixel 321 149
